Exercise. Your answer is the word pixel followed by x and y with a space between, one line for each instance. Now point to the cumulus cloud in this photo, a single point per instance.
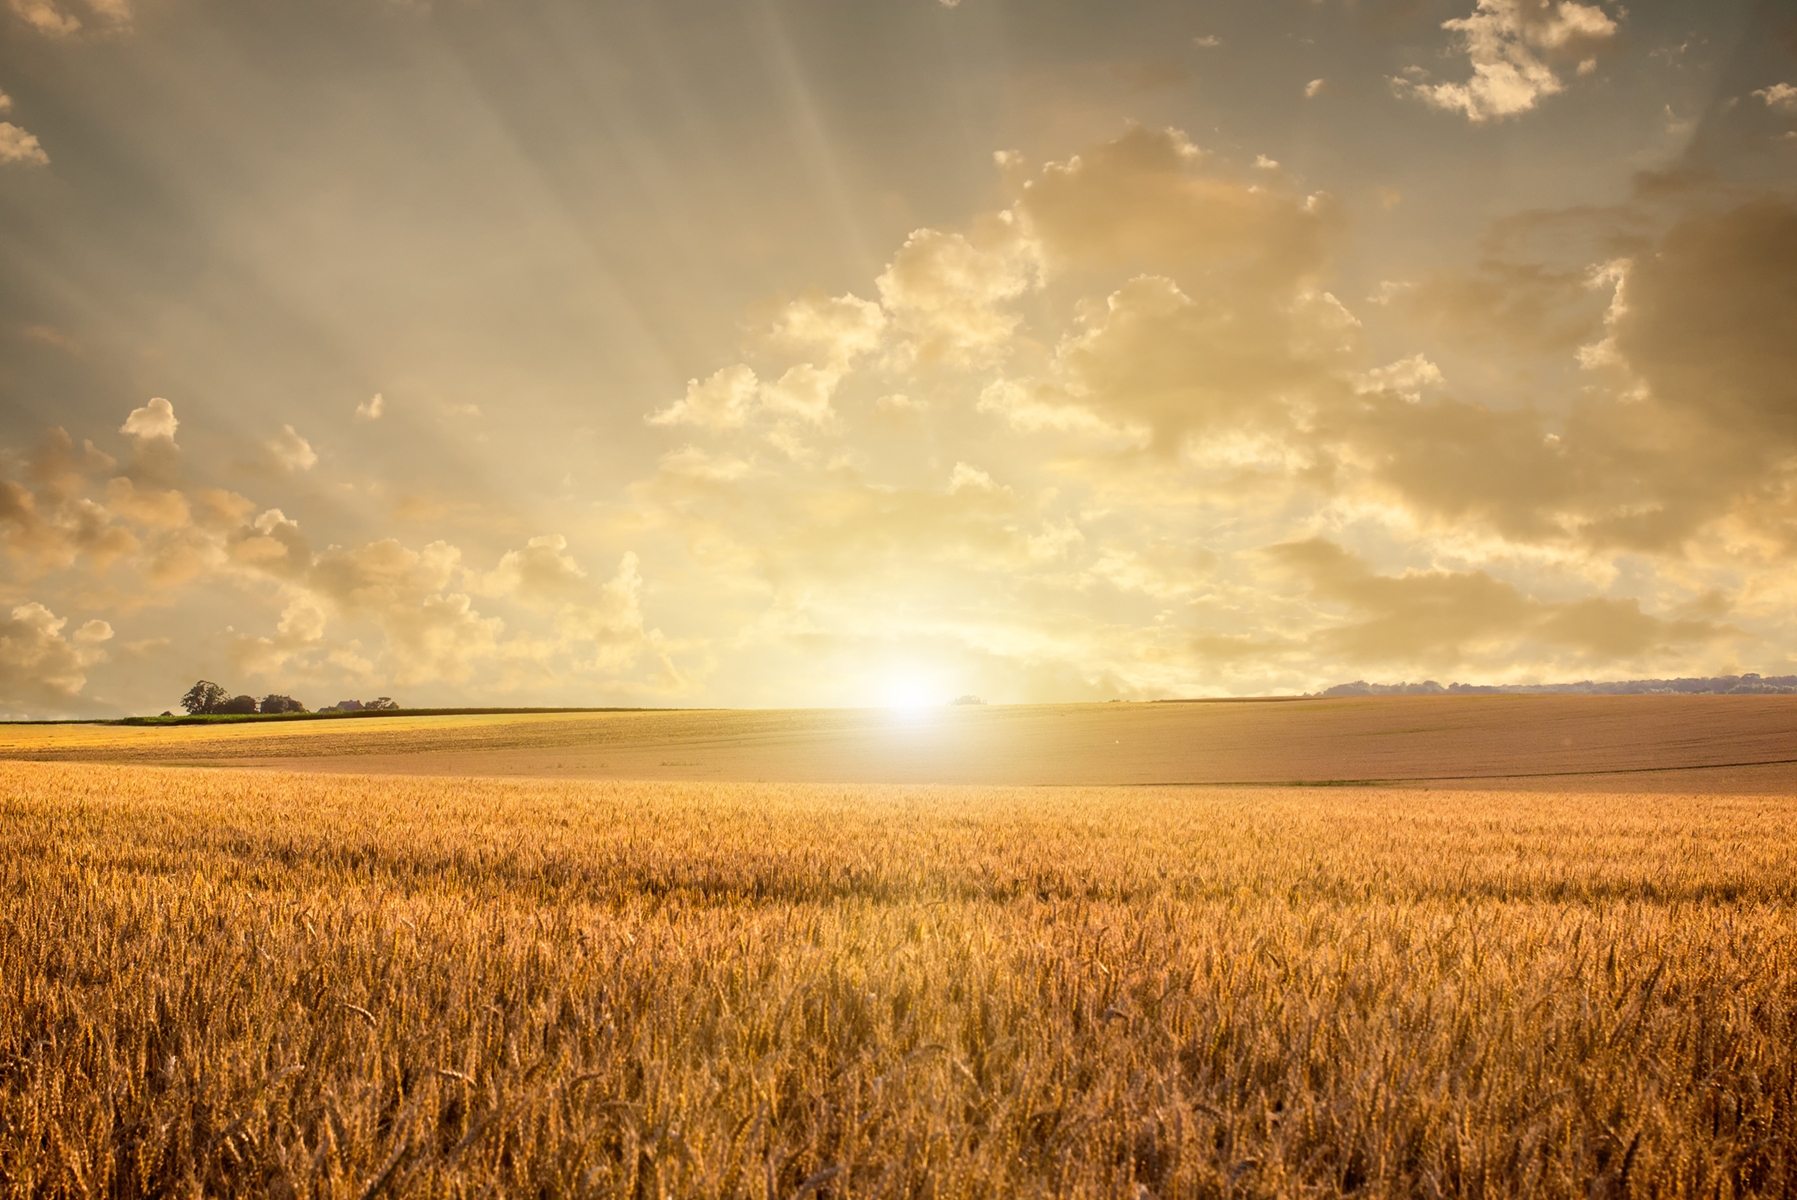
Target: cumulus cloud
pixel 67 519
pixel 18 146
pixel 1512 46
pixel 58 20
pixel 1782 96
pixel 48 523
pixel 723 401
pixel 838 329
pixel 833 331
pixel 39 666
pixel 155 421
pixel 950 291
pixel 603 619
pixel 291 451
pixel 1442 618
pixel 371 409
pixel 147 506
pixel 1407 378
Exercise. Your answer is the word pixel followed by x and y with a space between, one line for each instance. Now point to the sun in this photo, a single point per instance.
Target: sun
pixel 909 693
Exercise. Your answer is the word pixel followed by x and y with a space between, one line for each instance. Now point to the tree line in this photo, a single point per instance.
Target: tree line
pixel 206 698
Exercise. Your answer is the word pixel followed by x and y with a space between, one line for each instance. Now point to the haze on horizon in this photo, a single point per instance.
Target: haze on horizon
pixel 784 352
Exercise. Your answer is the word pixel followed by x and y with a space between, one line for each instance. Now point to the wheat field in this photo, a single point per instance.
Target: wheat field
pixel 263 983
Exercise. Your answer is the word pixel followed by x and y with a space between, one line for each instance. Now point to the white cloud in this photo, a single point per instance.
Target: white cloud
pixel 292 451
pixel 803 391
pixel 839 329
pixel 970 478
pixel 1407 377
pixel 543 570
pixel 721 402
pixel 949 290
pixel 17 146
pixel 1209 41
pixel 371 409
pixel 46 17
pixel 1314 88
pixel 1779 95
pixel 38 665
pixel 55 20
pixel 155 421
pixel 1509 44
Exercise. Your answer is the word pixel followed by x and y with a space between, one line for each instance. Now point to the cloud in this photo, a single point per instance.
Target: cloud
pixel 1209 41
pixel 1314 88
pixel 1406 378
pixel 1523 305
pixel 291 451
pixel 802 391
pixel 839 329
pixel 155 421
pixel 1512 46
pixel 17 146
pixel 55 20
pixel 723 401
pixel 46 17
pixel 148 507
pixel 39 667
pixel 48 523
pixel 371 409
pixel 1781 96
pixel 949 292
pixel 1185 366
pixel 604 619
pixel 1445 618
pixel 1150 201
pixel 429 631
pixel 542 571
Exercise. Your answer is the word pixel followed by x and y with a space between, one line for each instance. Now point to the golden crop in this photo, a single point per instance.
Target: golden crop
pixel 248 983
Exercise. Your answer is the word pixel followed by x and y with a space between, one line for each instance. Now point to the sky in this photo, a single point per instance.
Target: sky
pixel 793 352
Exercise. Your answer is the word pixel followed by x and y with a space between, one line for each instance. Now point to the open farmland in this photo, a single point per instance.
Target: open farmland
pixel 1681 743
pixel 254 982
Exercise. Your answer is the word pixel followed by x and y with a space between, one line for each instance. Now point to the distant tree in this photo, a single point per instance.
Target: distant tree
pixel 383 702
pixel 204 697
pixel 238 704
pixel 276 703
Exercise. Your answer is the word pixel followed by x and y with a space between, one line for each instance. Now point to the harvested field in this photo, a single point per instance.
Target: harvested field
pixel 1678 743
pixel 298 984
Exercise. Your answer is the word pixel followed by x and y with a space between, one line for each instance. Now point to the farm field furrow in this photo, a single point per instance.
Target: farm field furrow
pixel 249 983
pixel 1379 739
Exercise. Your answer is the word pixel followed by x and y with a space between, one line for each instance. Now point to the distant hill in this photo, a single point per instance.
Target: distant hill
pixel 1717 685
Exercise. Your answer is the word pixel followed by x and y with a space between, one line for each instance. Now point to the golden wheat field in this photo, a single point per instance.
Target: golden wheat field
pixel 253 982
